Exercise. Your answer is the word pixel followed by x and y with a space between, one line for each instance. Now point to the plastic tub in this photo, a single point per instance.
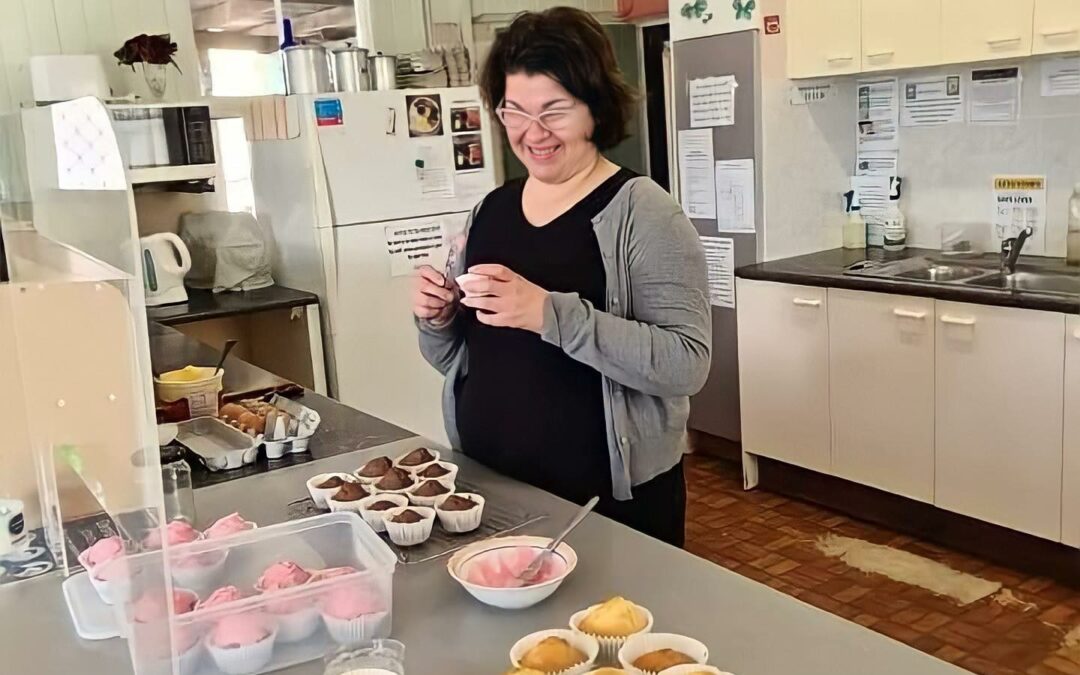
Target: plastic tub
pixel 199 385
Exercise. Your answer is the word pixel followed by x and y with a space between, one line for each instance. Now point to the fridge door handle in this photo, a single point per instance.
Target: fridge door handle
pixel 805 302
pixel 958 320
pixel 908 314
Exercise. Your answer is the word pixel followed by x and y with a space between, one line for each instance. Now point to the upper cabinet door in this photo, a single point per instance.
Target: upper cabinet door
pixel 980 30
pixel 903 34
pixel 1057 26
pixel 823 38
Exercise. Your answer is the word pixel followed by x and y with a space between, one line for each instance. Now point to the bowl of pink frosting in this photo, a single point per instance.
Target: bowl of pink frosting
pixel 489 570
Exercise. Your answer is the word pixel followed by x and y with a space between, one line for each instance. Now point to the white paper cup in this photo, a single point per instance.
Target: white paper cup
pixel 320 495
pixel 376 518
pixel 367 480
pixel 610 645
pixel 275 449
pixel 243 660
pixel 469 277
pixel 461 521
pixel 200 577
pixel 690 668
pixel 643 643
pixel 401 491
pixel 189 660
pixel 430 501
pixel 449 466
pixel 410 534
pixel 111 591
pixel 352 631
pixel 300 624
pixel 346 507
pixel 578 640
pixel 417 467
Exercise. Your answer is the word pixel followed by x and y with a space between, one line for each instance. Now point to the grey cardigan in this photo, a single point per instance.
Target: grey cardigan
pixel 652 346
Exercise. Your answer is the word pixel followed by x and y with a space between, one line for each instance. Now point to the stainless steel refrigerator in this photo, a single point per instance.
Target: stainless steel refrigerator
pixel 716 409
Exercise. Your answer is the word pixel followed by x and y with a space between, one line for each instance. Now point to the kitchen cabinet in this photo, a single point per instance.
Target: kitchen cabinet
pixel 824 38
pixel 784 372
pixel 1070 483
pixel 901 34
pixel 881 374
pixel 999 396
pixel 1056 26
pixel 980 30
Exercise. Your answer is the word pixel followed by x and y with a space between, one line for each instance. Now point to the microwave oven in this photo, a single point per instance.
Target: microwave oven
pixel 163 135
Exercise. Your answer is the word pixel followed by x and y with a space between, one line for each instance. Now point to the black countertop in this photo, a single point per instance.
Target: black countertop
pixel 826 268
pixel 203 304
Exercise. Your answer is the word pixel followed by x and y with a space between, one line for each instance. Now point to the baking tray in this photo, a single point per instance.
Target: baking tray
pixel 500 517
pixel 217 445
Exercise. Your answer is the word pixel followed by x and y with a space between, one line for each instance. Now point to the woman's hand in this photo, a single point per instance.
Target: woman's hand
pixel 506 299
pixel 432 300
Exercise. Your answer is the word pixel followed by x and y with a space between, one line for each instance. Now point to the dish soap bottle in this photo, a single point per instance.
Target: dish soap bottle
pixel 1072 242
pixel 854 227
pixel 894 223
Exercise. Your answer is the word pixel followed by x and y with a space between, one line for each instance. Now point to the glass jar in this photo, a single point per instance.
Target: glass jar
pixel 176 487
pixel 377 657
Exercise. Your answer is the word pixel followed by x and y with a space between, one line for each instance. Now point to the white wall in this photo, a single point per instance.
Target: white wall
pixel 42 27
pixel 809 152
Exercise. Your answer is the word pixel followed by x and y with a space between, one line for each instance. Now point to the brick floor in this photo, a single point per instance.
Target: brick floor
pixel 771 539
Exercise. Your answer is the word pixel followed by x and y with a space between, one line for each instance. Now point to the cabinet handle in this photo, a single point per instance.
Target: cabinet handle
pixel 803 302
pixel 1003 41
pixel 958 320
pixel 839 59
pixel 908 314
pixel 1058 32
pixel 875 55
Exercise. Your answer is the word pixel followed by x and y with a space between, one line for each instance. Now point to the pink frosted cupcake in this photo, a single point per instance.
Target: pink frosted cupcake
pixel 151 609
pixel 242 643
pixel 176 532
pixel 353 610
pixel 110 576
pixel 298 617
pixel 220 597
pixel 231 524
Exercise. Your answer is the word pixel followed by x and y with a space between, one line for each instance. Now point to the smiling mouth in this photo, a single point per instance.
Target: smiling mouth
pixel 542 154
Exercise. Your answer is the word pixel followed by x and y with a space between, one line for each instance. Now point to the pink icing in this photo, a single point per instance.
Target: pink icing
pixel 101 552
pixel 332 572
pixel 151 606
pixel 351 600
pixel 499 568
pixel 231 524
pixel 282 575
pixel 221 596
pixel 239 630
pixel 176 532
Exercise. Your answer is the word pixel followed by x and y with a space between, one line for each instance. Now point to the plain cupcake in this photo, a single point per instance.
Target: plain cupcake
pixel 374 469
pixel 324 485
pixel 460 512
pixel 427 492
pixel 556 651
pixel 612 623
pixel 409 525
pixel 373 509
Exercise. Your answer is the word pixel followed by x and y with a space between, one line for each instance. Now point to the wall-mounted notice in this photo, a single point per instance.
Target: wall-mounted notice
pixel 712 101
pixel 878 115
pixel 735 195
pixel 720 259
pixel 995 95
pixel 928 102
pixel 877 163
pixel 696 168
pixel 1061 76
pixel 413 245
pixel 1019 202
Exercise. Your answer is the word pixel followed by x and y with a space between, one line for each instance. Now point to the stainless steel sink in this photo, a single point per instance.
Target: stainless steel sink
pixel 942 273
pixel 1035 282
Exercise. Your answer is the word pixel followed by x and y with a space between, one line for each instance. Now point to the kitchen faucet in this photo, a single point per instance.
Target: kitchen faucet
pixel 1010 249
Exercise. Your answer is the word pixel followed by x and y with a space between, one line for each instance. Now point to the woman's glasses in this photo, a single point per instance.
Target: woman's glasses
pixel 552 120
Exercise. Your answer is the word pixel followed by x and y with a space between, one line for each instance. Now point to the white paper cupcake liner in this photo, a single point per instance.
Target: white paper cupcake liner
pixel 353 631
pixel 188 662
pixel 410 534
pixel 461 521
pixel 691 668
pixel 449 466
pixel 376 518
pixel 609 645
pixel 418 467
pixel 643 643
pixel 200 578
pixel 297 625
pixel 320 495
pixel 578 640
pixel 243 660
pixel 111 591
pixel 346 507
pixel 430 501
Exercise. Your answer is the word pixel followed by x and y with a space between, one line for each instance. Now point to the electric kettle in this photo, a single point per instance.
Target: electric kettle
pixel 165 261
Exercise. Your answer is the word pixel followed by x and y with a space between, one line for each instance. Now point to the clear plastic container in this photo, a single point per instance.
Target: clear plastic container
pixel 265 631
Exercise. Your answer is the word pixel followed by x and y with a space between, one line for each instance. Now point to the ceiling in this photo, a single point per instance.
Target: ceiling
pixel 329 19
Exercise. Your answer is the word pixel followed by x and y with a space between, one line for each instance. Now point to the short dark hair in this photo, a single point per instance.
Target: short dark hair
pixel 569 46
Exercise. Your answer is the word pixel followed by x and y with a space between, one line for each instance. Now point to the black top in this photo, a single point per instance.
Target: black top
pixel 525 408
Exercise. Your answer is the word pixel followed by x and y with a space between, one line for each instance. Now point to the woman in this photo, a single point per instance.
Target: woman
pixel 571 355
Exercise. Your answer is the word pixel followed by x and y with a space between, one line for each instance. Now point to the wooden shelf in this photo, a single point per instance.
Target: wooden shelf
pixel 169 174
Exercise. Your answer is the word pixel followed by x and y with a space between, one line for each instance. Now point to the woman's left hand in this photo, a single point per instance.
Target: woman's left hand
pixel 510 300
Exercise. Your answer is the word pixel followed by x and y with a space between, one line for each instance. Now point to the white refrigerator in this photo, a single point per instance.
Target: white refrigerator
pixel 354 165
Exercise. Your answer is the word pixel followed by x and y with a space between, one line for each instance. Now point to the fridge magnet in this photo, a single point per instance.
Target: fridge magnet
pixel 465 119
pixel 744 8
pixel 425 115
pixel 468 153
pixel 697 10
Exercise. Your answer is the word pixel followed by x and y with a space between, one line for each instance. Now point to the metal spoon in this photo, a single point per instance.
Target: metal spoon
pixel 229 344
pixel 529 573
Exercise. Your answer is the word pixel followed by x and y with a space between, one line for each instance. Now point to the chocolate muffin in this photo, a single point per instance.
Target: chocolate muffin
pixel 382 505
pixel 331 483
pixel 431 488
pixel 434 471
pixel 350 492
pixel 417 457
pixel 375 468
pixel 458 503
pixel 407 516
pixel 395 479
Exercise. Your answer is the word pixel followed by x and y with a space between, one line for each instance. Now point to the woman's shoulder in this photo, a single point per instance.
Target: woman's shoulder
pixel 506 196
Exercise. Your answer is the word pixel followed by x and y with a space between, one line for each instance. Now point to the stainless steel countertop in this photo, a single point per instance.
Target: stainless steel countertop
pixel 749 628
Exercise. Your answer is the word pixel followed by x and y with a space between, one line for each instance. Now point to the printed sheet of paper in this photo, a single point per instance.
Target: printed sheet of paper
pixel 413 245
pixel 933 101
pixel 720 259
pixel 696 169
pixel 995 95
pixel 1061 76
pixel 436 176
pixel 1019 202
pixel 877 163
pixel 878 121
pixel 735 195
pixel 871 194
pixel 712 101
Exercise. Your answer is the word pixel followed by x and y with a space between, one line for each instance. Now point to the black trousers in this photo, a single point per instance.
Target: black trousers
pixel 658 508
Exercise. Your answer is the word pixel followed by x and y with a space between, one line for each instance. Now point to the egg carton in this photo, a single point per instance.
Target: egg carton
pixel 282 426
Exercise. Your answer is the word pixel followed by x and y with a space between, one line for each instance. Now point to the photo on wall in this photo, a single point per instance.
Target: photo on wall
pixel 465 119
pixel 468 153
pixel 425 115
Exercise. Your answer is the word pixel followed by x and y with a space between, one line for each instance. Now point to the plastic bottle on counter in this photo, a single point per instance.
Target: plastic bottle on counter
pixel 1072 242
pixel 894 224
pixel 854 234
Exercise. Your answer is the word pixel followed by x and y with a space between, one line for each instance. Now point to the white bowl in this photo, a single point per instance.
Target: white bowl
pixel 510 598
pixel 581 641
pixel 320 495
pixel 688 668
pixel 643 643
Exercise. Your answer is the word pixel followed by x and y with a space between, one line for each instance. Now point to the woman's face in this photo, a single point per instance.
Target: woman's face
pixel 554 154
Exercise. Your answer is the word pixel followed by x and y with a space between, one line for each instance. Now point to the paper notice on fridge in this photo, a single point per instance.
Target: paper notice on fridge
pixel 435 171
pixel 1019 202
pixel 720 260
pixel 932 101
pixel 995 95
pixel 413 245
pixel 877 163
pixel 735 195
pixel 712 101
pixel 877 126
pixel 871 194
pixel 1061 76
pixel 696 168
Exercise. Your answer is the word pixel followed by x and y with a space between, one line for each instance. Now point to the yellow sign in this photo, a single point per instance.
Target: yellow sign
pixel 1019 183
